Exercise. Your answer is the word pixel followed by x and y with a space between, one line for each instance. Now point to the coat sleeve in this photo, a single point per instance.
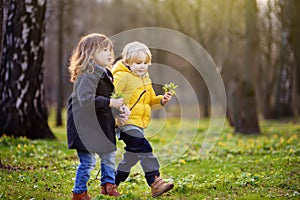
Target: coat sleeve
pixel 102 102
pixel 86 92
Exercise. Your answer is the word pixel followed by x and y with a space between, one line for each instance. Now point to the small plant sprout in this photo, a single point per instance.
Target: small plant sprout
pixel 170 87
pixel 117 95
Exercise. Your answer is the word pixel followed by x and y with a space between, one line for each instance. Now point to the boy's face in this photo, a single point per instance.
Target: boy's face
pixel 103 57
pixel 140 67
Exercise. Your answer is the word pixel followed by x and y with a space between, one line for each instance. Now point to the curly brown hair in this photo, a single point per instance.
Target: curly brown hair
pixel 82 56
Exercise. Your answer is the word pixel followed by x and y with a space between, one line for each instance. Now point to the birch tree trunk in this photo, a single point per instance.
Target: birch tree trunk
pixel 22 104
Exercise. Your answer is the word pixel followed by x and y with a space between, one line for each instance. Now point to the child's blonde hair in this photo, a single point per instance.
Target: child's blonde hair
pixel 82 56
pixel 133 51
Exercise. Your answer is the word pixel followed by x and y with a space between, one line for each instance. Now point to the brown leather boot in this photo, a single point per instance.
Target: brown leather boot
pixel 82 196
pixel 103 190
pixel 110 189
pixel 159 186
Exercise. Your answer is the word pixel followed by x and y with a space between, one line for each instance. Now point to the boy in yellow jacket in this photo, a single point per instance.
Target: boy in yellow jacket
pixel 132 79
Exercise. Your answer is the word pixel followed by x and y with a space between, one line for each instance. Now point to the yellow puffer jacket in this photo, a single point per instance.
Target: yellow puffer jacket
pixel 132 86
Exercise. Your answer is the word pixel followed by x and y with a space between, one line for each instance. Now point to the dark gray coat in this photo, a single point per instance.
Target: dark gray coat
pixel 90 123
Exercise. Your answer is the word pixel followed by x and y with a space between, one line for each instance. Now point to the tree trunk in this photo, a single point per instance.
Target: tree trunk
pixel 247 121
pixel 3 17
pixel 267 73
pixel 268 110
pixel 202 95
pixel 59 96
pixel 232 104
pixel 295 44
pixel 284 90
pixel 1 26
pixel 22 106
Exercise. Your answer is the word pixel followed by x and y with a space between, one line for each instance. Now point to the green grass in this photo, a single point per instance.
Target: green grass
pixel 239 167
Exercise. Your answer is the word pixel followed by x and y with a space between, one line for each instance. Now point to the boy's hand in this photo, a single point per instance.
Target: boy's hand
pixel 124 115
pixel 166 98
pixel 124 110
pixel 116 103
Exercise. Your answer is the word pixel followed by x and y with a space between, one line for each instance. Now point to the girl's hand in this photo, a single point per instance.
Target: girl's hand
pixel 166 98
pixel 116 103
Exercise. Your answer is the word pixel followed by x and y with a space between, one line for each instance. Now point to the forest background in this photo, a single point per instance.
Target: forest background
pixel 254 45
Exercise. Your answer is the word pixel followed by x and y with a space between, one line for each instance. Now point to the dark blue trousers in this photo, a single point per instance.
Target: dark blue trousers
pixel 137 149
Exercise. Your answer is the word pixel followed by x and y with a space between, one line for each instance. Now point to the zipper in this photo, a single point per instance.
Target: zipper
pixel 144 102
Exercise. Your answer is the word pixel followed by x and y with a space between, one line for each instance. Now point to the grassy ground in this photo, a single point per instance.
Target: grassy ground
pixel 239 167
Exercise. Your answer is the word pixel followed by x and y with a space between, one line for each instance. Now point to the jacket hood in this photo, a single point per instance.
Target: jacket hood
pixel 119 67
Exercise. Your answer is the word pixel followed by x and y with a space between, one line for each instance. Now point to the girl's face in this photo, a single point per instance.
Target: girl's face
pixel 140 67
pixel 103 57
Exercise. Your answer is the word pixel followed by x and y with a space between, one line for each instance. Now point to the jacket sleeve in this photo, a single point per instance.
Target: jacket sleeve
pixel 86 92
pixel 155 101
